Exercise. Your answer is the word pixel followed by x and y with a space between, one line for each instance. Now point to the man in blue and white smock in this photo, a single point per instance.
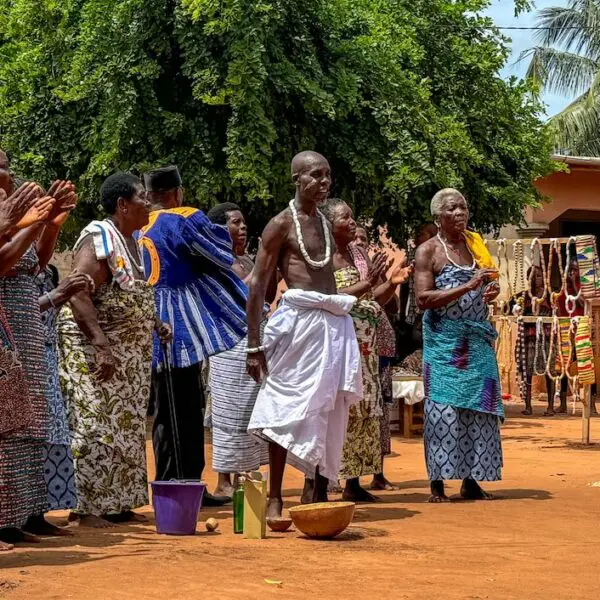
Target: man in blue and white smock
pixel 188 261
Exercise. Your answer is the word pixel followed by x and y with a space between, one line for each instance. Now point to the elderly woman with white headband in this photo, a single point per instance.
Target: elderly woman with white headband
pixel 454 281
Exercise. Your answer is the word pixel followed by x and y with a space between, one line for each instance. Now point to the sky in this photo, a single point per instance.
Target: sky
pixel 502 11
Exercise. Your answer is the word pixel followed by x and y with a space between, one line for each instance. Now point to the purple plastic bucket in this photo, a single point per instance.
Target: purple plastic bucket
pixel 176 505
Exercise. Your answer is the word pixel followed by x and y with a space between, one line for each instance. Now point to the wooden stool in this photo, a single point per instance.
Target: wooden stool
pixel 412 422
pixel 410 415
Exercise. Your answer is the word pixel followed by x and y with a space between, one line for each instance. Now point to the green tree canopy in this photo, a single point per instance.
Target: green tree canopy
pixel 402 96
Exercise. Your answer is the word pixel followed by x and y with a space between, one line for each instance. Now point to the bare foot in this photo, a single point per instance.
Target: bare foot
pixel 549 412
pixel 90 521
pixel 308 491
pixel 127 516
pixel 137 518
pixel 561 410
pixel 225 490
pixel 12 535
pixel 274 509
pixel 38 525
pixel 438 499
pixel 527 412
pixel 4 547
pixel 355 493
pixel 381 483
pixel 334 487
pixel 471 490
pixel 438 493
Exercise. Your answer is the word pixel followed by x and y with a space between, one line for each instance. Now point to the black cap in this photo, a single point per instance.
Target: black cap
pixel 162 180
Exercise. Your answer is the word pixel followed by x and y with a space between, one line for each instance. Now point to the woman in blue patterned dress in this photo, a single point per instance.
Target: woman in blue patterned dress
pixel 58 458
pixel 463 405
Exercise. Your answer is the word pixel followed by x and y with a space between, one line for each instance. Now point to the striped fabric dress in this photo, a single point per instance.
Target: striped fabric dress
pixel 22 486
pixel 233 394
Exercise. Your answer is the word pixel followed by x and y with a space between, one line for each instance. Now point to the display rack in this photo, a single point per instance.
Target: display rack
pixel 586 396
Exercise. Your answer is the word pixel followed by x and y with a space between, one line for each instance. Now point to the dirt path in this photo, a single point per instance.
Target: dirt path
pixel 538 541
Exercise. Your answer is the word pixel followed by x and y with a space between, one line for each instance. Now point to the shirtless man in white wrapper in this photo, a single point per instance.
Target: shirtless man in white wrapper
pixel 308 359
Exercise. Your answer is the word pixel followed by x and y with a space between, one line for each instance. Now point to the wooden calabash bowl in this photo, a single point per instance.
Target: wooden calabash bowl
pixel 323 520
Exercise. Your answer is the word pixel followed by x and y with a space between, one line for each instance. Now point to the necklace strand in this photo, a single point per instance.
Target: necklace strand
pixel 535 300
pixel 540 342
pixel 315 264
pixel 571 301
pixel 461 267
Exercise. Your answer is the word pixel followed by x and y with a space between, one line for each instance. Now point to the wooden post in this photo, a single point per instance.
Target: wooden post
pixel 586 413
pixel 586 397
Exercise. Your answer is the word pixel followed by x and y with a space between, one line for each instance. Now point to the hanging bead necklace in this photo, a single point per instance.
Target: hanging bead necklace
pixel 503 250
pixel 315 264
pixel 535 300
pixel 461 267
pixel 555 250
pixel 571 301
pixel 540 342
pixel 521 357
pixel 519 283
pixel 555 337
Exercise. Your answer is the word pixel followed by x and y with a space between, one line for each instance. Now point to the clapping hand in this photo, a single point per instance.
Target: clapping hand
pixel 401 272
pixel 377 268
pixel 19 209
pixel 66 200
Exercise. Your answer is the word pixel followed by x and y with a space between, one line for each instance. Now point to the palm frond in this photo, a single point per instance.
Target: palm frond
pixel 561 72
pixel 576 129
pixel 575 28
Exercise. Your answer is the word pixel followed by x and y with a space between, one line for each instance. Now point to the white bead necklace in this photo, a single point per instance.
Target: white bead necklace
pixel 315 264
pixel 461 267
pixel 134 262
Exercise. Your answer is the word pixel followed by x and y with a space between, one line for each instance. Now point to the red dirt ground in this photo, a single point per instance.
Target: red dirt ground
pixel 538 541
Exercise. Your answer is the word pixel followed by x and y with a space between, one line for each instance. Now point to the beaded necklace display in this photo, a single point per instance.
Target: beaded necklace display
pixel 562 271
pixel 315 264
pixel 503 250
pixel 461 267
pixel 571 301
pixel 555 336
pixel 540 342
pixel 536 301
pixel 521 357
pixel 519 283
pixel 573 380
pixel 503 347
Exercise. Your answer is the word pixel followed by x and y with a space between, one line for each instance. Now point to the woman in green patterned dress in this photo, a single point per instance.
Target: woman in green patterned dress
pixel 105 360
pixel 362 450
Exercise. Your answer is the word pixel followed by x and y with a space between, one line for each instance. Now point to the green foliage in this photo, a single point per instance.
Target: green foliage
pixel 402 96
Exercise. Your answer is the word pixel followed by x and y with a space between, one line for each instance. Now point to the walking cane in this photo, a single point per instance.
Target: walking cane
pixel 172 412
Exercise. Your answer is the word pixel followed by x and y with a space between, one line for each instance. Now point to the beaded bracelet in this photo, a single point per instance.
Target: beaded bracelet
pixel 255 350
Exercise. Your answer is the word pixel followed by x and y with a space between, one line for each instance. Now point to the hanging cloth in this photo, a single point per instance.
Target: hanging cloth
pixel 589 265
pixel 585 355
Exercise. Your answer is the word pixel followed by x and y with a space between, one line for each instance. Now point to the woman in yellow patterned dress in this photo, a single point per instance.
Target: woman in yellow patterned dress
pixel 105 360
pixel 362 450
